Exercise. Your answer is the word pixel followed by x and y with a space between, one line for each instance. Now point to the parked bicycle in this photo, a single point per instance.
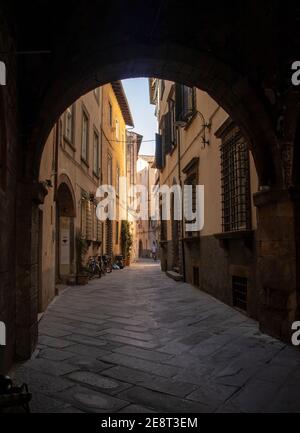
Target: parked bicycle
pixel 107 263
pixel 94 267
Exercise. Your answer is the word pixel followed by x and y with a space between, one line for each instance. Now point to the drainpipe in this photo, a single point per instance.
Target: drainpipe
pixel 182 208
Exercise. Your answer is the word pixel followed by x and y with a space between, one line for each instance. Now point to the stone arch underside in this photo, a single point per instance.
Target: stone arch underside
pixel 231 90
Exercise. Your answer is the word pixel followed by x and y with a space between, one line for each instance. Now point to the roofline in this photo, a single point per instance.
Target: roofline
pixel 123 102
pixel 139 139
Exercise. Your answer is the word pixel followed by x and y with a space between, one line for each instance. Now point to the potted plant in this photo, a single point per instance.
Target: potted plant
pixel 82 277
pixel 126 241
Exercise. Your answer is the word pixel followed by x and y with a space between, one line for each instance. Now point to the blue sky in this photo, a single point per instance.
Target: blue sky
pixel 137 92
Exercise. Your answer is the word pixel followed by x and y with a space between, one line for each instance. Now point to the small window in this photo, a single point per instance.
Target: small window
pixel 84 137
pixel 239 292
pixel 96 153
pixel 69 124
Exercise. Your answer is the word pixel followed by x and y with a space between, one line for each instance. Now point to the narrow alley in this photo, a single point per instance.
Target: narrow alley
pixel 136 341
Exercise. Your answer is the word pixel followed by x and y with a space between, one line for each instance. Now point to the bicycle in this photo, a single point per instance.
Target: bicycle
pixel 94 268
pixel 107 263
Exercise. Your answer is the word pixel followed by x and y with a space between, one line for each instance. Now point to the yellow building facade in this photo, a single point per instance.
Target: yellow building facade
pixel 200 145
pixel 85 149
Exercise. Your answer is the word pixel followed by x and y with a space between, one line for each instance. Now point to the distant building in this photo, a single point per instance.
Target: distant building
pixel 134 141
pixel 147 228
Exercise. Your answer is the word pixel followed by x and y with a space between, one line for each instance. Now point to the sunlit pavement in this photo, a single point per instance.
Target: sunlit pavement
pixel 136 341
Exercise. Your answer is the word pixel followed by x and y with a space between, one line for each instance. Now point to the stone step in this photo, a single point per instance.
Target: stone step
pixel 174 275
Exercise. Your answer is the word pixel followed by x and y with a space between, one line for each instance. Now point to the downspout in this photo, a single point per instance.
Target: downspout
pixel 182 209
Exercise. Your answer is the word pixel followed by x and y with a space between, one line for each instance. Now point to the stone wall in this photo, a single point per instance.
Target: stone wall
pixel 217 263
pixel 8 161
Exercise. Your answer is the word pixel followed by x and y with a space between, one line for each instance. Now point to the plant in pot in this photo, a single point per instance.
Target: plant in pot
pixel 126 241
pixel 82 271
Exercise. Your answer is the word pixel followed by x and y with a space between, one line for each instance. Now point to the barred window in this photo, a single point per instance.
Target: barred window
pixel 235 178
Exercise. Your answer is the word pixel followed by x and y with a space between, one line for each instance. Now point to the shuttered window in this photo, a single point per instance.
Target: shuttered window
pixel 185 98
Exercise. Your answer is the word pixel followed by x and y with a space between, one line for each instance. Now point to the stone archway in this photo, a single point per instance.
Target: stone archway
pixel 220 50
pixel 65 233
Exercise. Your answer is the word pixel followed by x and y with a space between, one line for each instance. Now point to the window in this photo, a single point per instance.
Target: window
pixel 96 154
pixel 185 98
pixel 235 175
pixel 69 124
pixel 84 137
pixel 109 170
pixel 117 130
pixel 239 292
pixel 118 179
pixel 110 117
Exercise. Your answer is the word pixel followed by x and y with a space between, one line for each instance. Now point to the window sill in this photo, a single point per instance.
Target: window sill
pixel 191 239
pixel 190 120
pixel 246 236
pixel 70 143
pixel 85 162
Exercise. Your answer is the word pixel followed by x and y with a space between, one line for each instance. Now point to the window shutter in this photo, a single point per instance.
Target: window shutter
pixel 168 144
pixel 179 105
pixel 158 151
pixel 163 144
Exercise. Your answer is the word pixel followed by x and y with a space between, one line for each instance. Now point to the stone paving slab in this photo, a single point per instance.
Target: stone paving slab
pixel 137 342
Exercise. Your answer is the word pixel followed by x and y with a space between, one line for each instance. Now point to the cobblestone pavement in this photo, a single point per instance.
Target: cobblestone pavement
pixel 136 341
